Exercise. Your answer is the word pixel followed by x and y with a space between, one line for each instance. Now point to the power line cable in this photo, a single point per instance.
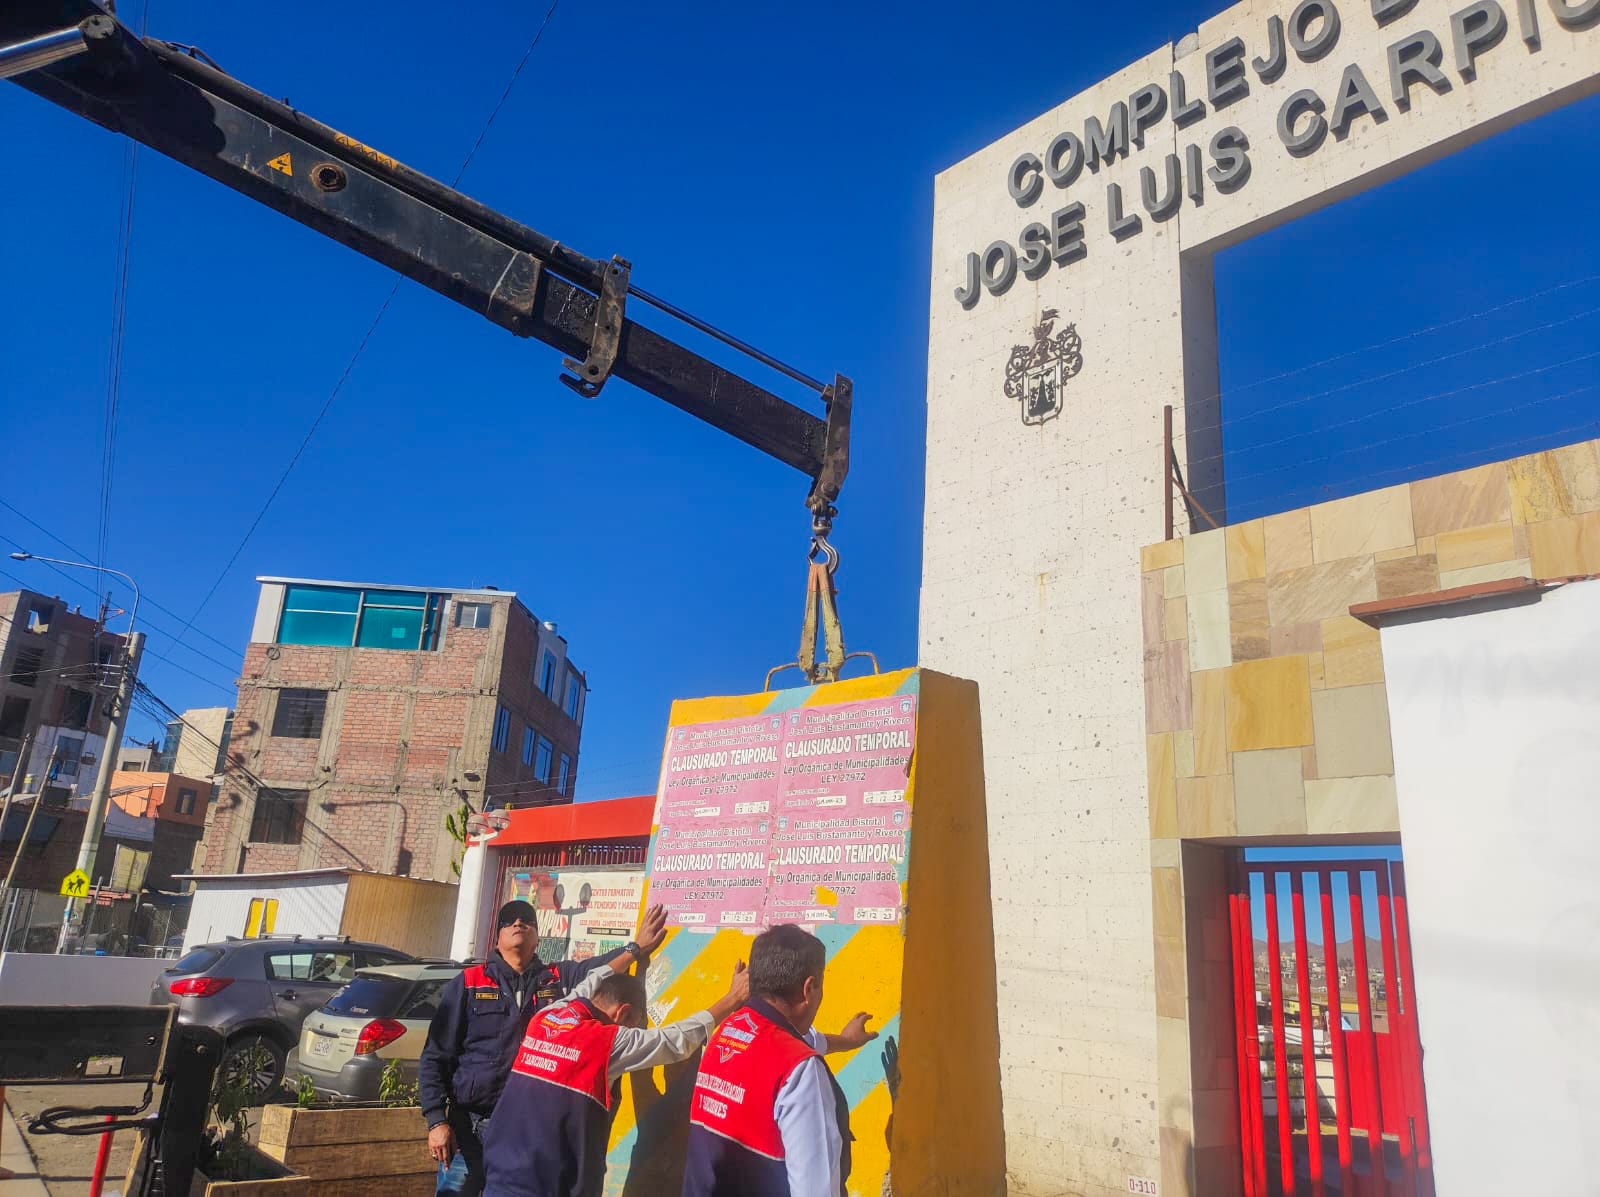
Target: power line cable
pixel 77 552
pixel 372 328
pixel 1233 391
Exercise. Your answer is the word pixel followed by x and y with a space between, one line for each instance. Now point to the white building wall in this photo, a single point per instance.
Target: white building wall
pixel 306 906
pixel 1495 716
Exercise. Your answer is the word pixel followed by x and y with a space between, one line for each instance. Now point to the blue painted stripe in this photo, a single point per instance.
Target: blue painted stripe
pixel 787 700
pixel 864 1072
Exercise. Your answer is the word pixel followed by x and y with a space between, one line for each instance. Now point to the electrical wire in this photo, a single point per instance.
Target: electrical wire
pixel 372 328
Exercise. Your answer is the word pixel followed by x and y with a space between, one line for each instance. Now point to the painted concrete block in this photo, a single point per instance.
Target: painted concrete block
pixel 947 1118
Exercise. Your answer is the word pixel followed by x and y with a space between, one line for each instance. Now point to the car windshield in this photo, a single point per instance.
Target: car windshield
pixel 369 997
pixel 196 961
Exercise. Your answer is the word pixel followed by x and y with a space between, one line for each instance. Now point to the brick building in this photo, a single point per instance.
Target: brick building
pixel 368 713
pixel 53 684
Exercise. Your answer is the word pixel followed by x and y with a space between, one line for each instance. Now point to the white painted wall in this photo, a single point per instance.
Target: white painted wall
pixel 43 979
pixel 1495 716
pixel 306 906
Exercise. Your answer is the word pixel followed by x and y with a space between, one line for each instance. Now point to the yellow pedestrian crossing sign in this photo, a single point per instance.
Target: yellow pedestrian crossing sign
pixel 75 884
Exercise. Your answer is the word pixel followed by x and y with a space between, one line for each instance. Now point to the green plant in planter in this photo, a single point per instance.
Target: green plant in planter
pixel 305 1092
pixel 225 1147
pixel 394 1090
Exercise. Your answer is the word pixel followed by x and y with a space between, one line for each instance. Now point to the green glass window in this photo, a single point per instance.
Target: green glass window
pixel 319 615
pixel 331 615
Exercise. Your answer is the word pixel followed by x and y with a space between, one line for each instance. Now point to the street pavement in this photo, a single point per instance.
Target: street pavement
pixel 61 1165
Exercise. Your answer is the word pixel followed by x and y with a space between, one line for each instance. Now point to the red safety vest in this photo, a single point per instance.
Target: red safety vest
pixel 735 1147
pixel 548 1134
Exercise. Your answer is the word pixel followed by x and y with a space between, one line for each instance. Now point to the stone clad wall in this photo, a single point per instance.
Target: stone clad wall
pixel 1267 717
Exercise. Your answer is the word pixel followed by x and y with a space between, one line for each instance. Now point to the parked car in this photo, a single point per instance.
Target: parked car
pixel 380 1016
pixel 257 992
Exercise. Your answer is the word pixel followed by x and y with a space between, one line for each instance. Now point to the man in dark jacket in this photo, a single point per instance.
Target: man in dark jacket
pixel 482 1017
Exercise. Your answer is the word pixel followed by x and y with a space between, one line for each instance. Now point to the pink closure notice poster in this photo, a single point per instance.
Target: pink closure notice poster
pixel 714 822
pixel 839 840
pixel 792 818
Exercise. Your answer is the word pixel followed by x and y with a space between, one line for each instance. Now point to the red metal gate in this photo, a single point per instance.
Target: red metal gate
pixel 1329 1032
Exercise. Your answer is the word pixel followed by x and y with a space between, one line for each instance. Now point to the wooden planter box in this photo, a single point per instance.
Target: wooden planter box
pixel 276 1181
pixel 352 1151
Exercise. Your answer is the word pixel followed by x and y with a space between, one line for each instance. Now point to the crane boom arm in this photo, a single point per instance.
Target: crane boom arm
pixel 162 95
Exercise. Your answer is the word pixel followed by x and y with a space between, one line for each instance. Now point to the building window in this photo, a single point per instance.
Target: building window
pixel 76 707
pixel 169 747
pixel 13 717
pixel 186 800
pixel 564 775
pixel 39 616
pixel 547 674
pixel 502 729
pixel 69 749
pixel 299 714
pixel 25 669
pixel 280 816
pixel 574 696
pixel 541 763
pixel 8 765
pixel 473 615
pixel 342 617
pixel 527 745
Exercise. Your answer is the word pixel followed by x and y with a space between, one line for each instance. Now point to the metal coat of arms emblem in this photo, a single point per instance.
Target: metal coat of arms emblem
pixel 1036 374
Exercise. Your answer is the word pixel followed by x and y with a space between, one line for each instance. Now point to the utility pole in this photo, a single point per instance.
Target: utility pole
pixel 108 762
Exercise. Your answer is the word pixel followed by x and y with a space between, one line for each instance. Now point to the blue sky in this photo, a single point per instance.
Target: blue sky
pixel 771 171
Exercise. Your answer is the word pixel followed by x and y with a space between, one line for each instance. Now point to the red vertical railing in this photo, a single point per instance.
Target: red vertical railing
pixel 1308 1038
pixel 1368 1038
pixel 1341 1074
pixel 1280 1053
pixel 1416 1092
pixel 1377 1083
pixel 1399 1037
pixel 1244 1028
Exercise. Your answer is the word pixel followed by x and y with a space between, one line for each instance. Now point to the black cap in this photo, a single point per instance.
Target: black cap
pixel 514 910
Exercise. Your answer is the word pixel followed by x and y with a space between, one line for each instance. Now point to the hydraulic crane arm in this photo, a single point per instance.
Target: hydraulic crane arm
pixel 72 53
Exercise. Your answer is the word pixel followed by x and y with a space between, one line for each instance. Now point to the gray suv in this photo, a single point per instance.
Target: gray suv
pixel 257 992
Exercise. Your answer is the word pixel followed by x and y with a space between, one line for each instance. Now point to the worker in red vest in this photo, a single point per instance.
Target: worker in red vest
pixel 767 1118
pixel 547 1137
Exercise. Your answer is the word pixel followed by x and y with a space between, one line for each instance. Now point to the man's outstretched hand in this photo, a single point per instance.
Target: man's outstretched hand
pixel 653 930
pixel 854 1035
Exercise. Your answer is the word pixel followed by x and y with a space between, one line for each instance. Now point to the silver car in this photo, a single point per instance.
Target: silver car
pixel 257 992
pixel 380 1016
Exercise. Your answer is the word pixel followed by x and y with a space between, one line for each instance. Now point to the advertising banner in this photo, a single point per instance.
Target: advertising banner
pixel 582 912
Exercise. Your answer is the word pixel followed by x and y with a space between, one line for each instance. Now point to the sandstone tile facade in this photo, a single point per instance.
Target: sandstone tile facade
pixel 1273 719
